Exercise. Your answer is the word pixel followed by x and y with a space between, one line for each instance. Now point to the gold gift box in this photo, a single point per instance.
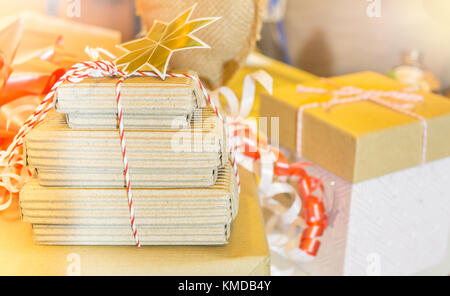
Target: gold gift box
pixel 247 252
pixel 361 140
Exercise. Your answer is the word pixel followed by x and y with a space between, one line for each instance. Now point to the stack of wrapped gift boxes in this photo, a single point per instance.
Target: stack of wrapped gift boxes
pixel 184 189
pixel 208 210
pixel 389 210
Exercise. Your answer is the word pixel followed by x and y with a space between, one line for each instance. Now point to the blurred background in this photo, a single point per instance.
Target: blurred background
pixel 323 37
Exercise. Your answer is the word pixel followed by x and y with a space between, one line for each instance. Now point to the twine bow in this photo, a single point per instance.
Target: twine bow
pixel 399 101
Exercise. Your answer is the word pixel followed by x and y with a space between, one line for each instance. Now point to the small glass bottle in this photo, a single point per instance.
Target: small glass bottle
pixel 412 72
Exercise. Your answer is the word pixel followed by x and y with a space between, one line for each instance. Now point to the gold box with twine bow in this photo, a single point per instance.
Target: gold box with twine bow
pixel 361 126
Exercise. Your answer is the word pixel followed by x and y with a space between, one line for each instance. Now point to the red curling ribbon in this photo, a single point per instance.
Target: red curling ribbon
pixel 313 207
pixel 314 213
pixel 250 141
pixel 252 146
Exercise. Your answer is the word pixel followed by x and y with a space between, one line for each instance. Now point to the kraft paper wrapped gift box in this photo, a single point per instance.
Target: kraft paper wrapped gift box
pixel 147 102
pixel 246 254
pixel 360 140
pixel 92 158
pixel 397 224
pixel 176 216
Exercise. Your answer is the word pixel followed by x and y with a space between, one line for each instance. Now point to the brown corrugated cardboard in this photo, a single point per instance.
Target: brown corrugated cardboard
pixel 175 96
pixel 105 121
pixel 157 158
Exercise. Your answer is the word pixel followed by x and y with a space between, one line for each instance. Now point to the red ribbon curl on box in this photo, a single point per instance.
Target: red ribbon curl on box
pixel 253 148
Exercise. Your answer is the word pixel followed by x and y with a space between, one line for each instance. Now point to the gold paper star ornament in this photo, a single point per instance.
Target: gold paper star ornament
pixel 155 50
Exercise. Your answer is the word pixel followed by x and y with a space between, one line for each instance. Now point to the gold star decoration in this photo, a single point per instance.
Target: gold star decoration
pixel 156 48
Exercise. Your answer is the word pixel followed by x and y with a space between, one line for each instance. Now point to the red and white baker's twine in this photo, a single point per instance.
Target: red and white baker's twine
pixel 90 70
pixel 350 94
pixel 125 161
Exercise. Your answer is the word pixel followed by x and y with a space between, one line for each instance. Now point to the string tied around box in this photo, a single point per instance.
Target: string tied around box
pixel 307 209
pixel 402 101
pixel 14 172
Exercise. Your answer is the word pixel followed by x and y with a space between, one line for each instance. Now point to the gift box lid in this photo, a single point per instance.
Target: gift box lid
pixel 362 139
pixel 140 95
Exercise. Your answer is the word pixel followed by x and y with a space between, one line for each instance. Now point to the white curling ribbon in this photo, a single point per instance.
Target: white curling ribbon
pixel 242 110
pixel 7 175
pixel 268 189
pixel 285 217
pixel 284 241
pixel 230 97
pixel 249 89
pixel 237 114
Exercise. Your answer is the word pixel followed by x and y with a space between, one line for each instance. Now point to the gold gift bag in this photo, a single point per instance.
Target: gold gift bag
pixel 231 38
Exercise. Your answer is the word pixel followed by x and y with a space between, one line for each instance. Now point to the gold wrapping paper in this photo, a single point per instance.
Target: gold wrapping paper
pixel 246 254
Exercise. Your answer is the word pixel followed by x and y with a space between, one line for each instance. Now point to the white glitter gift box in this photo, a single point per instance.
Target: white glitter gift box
pixel 397 224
